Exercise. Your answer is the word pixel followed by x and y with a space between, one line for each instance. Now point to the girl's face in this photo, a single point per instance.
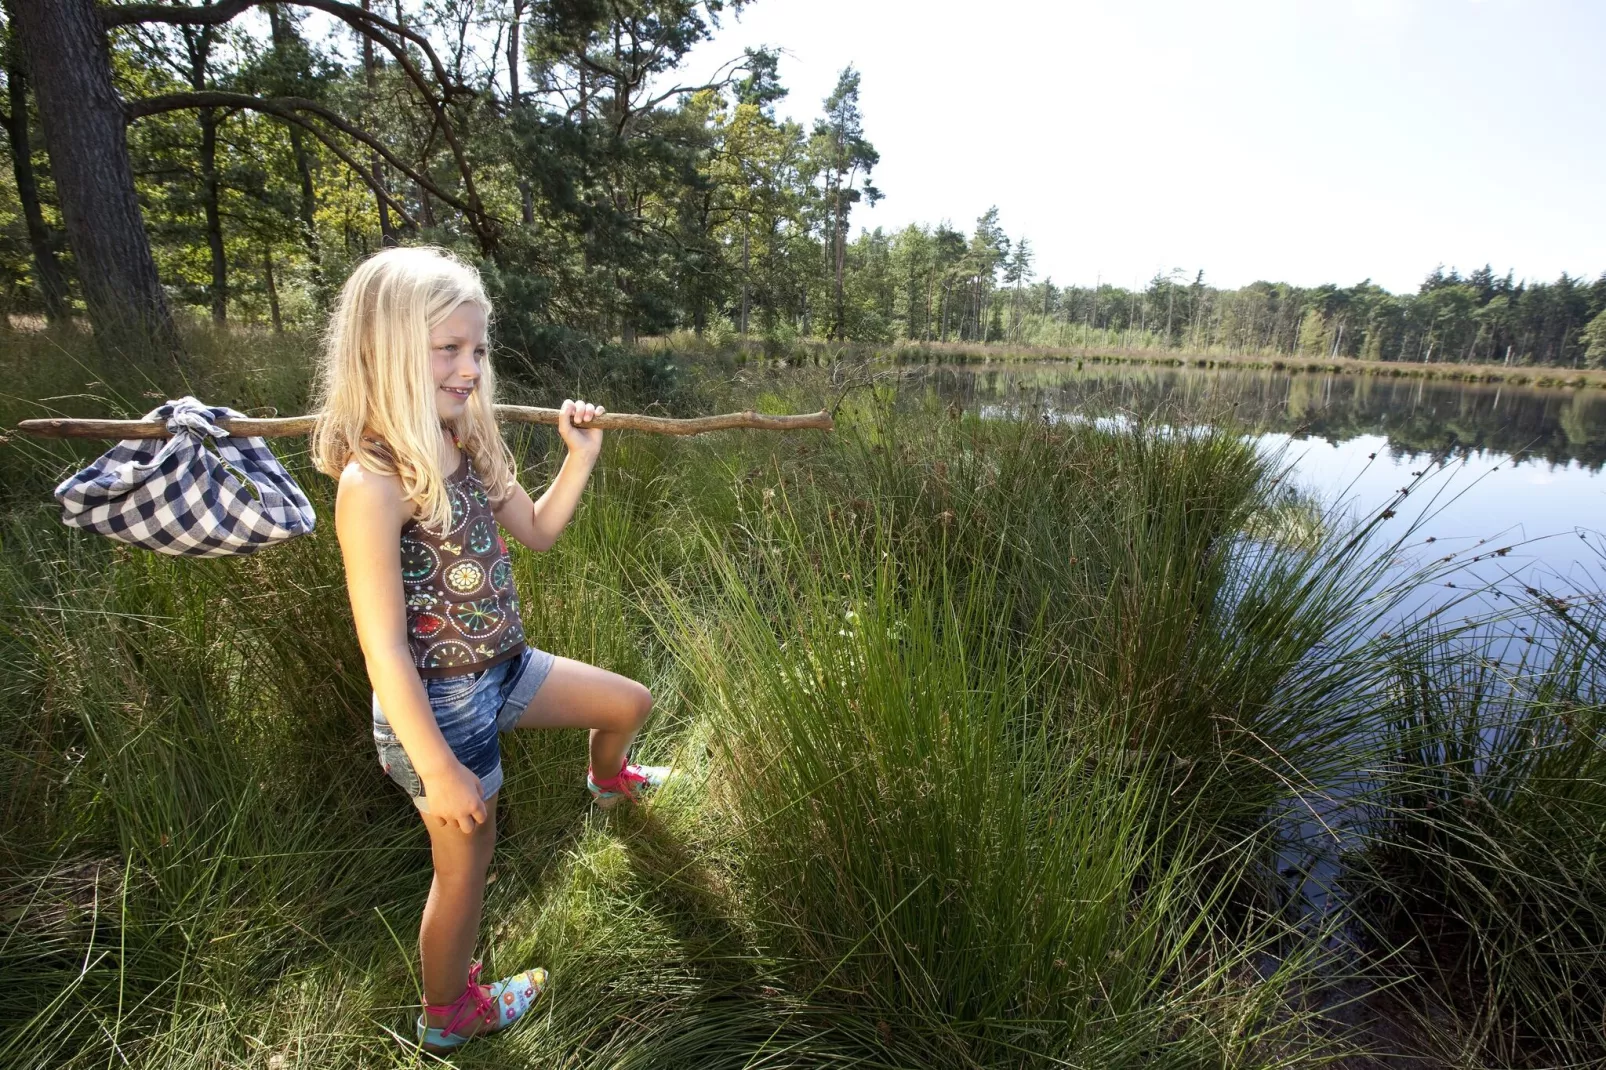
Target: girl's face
pixel 456 349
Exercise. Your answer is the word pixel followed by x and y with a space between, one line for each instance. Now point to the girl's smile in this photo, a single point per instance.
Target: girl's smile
pixel 456 348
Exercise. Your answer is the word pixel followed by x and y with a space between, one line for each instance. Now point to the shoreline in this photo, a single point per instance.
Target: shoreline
pixel 1543 376
pixel 1522 375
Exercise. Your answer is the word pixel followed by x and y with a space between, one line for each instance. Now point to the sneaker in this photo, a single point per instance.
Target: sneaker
pixel 628 784
pixel 481 1009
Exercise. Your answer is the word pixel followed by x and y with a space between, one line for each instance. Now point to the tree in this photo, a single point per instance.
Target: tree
pixel 844 156
pixel 65 41
pixel 288 71
pixel 1017 272
pixel 515 98
pixel 47 270
pixel 988 251
pixel 1593 340
pixel 83 121
pixel 751 173
pixel 198 42
pixel 630 183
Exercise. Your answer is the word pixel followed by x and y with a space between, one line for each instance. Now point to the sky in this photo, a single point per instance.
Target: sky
pixel 1289 140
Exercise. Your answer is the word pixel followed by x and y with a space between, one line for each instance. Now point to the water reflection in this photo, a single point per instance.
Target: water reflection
pixel 1415 415
pixel 1523 466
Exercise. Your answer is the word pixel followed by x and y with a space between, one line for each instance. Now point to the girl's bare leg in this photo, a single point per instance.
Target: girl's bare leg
pixel 451 924
pixel 577 695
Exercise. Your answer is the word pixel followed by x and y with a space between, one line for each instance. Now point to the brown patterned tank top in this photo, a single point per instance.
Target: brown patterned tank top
pixel 462 611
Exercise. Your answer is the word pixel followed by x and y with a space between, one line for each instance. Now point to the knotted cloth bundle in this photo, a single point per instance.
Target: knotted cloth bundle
pixel 175 496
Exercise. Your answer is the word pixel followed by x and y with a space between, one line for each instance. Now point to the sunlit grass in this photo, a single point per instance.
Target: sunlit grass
pixel 988 731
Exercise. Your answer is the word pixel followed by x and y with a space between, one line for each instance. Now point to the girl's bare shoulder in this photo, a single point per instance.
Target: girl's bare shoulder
pixel 367 496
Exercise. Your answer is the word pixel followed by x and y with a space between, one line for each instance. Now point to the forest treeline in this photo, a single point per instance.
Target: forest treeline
pixel 232 159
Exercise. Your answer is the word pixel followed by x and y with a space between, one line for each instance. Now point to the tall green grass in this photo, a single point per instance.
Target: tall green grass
pixel 1486 855
pixel 989 732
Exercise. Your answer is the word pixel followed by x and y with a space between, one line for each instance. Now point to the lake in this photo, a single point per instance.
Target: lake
pixel 1500 466
pixel 1521 466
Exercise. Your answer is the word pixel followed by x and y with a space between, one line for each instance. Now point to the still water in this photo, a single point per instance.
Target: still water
pixel 1506 465
pixel 1496 467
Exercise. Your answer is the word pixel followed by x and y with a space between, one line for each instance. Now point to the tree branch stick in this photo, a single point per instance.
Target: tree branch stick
pixel 289 426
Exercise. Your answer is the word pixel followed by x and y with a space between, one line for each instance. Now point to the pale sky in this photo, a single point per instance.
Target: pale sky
pixel 1290 140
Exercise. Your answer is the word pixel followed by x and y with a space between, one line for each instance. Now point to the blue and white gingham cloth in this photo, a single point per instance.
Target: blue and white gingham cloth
pixel 178 497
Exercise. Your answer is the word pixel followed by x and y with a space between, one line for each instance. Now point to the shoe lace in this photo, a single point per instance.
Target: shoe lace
pixel 472 1004
pixel 625 781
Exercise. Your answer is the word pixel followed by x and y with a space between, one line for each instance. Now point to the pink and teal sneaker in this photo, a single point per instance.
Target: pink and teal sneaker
pixel 481 1009
pixel 628 784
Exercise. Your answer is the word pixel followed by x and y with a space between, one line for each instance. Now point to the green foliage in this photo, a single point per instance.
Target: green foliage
pixel 1594 341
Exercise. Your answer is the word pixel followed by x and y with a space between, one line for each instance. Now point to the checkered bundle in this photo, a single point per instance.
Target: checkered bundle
pixel 178 497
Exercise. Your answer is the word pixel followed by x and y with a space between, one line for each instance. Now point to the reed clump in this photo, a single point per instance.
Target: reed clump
pixel 1485 855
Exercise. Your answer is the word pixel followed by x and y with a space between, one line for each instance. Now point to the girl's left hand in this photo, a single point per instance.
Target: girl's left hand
pixel 572 418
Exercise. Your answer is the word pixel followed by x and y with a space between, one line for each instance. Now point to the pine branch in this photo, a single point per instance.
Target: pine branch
pixel 287 108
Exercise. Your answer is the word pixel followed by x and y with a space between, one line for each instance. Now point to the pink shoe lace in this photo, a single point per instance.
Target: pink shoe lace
pixel 624 782
pixel 472 1004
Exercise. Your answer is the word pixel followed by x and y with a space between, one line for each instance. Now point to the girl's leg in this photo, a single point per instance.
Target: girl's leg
pixel 451 924
pixel 577 695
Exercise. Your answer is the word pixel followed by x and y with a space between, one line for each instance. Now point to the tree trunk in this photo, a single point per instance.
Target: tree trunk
pixel 199 45
pixel 925 323
pixel 309 211
pixel 214 218
pixel 387 230
pixel 273 289
pixel 309 201
pixel 370 67
pixel 86 136
pixel 515 60
pixel 46 266
pixel 746 271
pixel 841 254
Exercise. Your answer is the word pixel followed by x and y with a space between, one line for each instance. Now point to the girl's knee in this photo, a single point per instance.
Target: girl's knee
pixel 467 868
pixel 642 704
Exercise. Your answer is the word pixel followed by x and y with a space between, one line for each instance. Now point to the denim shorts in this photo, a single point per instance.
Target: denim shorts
pixel 470 710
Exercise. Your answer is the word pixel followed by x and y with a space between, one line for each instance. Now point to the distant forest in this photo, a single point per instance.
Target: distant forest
pixel 934 284
pixel 231 160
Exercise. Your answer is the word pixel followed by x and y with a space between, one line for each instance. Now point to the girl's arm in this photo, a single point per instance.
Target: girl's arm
pixel 369 514
pixel 537 524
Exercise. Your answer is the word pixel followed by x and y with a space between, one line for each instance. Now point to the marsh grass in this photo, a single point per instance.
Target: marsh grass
pixel 989 730
pixel 1485 856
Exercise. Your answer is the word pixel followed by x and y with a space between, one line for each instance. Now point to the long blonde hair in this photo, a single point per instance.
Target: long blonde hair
pixel 375 380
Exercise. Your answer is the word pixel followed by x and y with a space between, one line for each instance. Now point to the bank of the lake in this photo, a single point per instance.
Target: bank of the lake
pixel 1538 375
pixel 1450 371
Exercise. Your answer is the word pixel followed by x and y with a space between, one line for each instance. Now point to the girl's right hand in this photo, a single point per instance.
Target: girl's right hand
pixel 573 420
pixel 454 796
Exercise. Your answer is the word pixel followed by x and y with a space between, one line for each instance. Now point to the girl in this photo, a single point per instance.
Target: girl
pixel 406 425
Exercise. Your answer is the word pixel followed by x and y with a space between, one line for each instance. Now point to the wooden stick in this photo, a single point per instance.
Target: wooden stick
pixel 288 426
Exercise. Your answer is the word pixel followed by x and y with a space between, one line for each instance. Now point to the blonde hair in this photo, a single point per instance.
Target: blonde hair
pixel 375 380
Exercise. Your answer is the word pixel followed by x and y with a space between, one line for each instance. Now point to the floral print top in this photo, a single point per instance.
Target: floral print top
pixel 462 611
